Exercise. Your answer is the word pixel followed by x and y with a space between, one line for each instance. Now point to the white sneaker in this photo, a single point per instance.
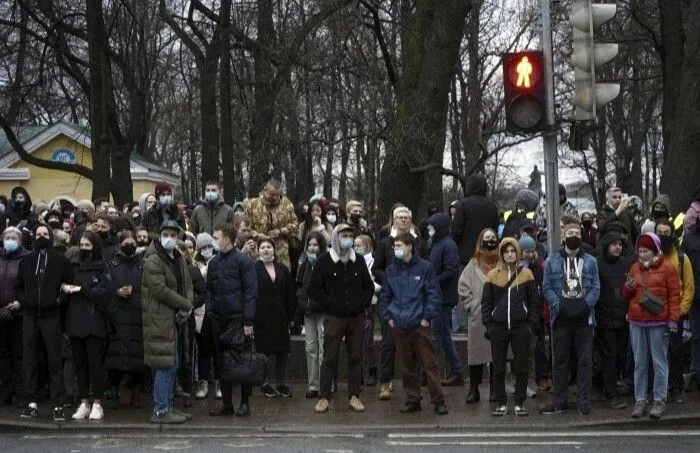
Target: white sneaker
pixel 97 413
pixel 531 393
pixel 203 390
pixel 218 391
pixel 83 412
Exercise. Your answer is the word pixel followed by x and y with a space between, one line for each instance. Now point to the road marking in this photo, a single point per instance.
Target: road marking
pixel 340 451
pixel 169 435
pixel 174 445
pixel 530 434
pixel 524 443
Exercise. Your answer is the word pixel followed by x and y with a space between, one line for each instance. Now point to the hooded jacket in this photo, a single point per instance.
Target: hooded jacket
pixel 153 218
pixel 473 214
pixel 611 309
pixel 691 247
pixel 209 215
pixel 511 306
pixel 607 216
pixel 444 256
pixel 649 225
pixel 23 212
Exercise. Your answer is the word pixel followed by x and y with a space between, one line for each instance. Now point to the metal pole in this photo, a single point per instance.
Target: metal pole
pixel 549 138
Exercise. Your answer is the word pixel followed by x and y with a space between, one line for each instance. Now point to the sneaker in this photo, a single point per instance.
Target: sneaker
pixel 322 406
pixel 552 408
pixel 83 412
pixel 179 413
pixel 676 397
pixel 356 404
pixel 408 408
pixel 616 404
pixel 32 411
pixel 202 390
pixel 311 394
pixel 243 410
pixel 454 380
pixel 97 413
pixel 385 393
pixel 657 410
pixel 440 408
pixel 530 393
pixel 269 391
pixel 58 414
pixel 167 418
pixel 218 391
pixel 584 410
pixel 284 391
pixel 222 410
pixel 520 411
pixel 500 411
pixel 640 409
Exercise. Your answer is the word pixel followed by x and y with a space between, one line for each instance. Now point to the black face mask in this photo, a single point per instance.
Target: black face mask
pixel 659 214
pixel 129 249
pixel 19 204
pixel 42 243
pixel 667 243
pixel 572 242
pixel 587 223
pixel 85 255
pixel 142 243
pixel 104 235
pixel 355 218
pixel 55 225
pixel 490 245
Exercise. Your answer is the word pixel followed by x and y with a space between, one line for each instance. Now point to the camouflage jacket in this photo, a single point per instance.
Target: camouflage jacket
pixel 264 219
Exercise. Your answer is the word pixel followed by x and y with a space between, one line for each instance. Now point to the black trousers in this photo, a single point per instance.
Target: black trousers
pixel 88 355
pixel 11 382
pixel 612 344
pixel 218 326
pixel 335 329
pixel 676 358
pixel 205 350
pixel 387 355
pixel 46 330
pixel 137 378
pixel 519 341
pixel 580 338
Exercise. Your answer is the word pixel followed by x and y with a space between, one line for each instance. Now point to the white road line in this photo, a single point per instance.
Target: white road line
pixel 530 434
pixel 340 451
pixel 173 435
pixel 525 443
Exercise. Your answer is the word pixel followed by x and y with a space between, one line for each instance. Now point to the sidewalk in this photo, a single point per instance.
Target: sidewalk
pixel 280 415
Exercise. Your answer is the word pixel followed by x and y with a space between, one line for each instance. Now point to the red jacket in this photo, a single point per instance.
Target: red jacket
pixel 662 281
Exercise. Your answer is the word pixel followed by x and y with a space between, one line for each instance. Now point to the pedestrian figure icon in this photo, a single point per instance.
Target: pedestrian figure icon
pixel 524 70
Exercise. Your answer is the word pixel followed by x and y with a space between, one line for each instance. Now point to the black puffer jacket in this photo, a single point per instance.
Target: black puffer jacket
pixel 611 309
pixel 125 351
pixel 473 214
pixel 9 268
pixel 88 309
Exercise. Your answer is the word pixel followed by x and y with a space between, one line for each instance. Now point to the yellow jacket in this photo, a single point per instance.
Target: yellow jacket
pixel 687 281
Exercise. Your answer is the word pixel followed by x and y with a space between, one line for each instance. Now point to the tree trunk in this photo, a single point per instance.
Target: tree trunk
pixel 208 123
pixel 227 149
pixel 673 38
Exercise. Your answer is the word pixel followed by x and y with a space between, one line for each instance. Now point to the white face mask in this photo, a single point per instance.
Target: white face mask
pixel 331 217
pixel 431 231
pixel 168 244
pixel 207 253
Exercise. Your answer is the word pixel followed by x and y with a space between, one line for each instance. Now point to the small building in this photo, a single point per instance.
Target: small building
pixel 65 142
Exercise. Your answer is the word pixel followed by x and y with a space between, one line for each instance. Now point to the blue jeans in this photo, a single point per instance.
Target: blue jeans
pixel 460 318
pixel 646 341
pixel 443 338
pixel 164 383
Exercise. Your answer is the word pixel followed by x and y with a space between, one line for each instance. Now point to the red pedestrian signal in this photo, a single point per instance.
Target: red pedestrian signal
pixel 525 97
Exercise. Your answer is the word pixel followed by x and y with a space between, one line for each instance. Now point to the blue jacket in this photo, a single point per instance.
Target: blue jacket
pixel 553 283
pixel 410 293
pixel 232 286
pixel 444 256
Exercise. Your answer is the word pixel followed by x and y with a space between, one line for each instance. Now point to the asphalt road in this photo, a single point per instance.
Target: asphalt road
pixel 637 441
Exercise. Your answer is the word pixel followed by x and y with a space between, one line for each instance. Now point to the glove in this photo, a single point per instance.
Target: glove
pixel 182 316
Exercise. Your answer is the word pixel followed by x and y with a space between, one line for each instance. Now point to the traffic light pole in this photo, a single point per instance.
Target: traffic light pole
pixel 549 137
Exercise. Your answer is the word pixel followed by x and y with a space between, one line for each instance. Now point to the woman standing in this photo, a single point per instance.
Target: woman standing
pixel 87 323
pixel 202 322
pixel 125 350
pixel 653 290
pixel 363 248
pixel 275 308
pixel 313 222
pixel 471 287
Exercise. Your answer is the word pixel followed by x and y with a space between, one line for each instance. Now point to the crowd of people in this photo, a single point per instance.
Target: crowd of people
pixel 151 296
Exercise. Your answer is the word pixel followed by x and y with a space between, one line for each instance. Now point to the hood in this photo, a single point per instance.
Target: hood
pixel 501 247
pixel 477 185
pixel 441 223
pixel 142 202
pixel 665 200
pixel 238 205
pixel 336 253
pixel 606 240
pixel 527 199
pixel 432 208
pixel 655 239
pixel 22 190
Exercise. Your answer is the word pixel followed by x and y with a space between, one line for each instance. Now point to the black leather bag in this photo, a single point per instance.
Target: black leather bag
pixel 574 309
pixel 243 367
pixel 651 303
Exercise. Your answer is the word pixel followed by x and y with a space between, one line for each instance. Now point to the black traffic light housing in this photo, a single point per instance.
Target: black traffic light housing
pixel 524 89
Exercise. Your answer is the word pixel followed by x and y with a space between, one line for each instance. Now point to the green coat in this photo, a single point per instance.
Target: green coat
pixel 160 302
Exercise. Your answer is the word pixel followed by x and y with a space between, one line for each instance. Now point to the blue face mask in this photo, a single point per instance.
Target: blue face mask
pixel 346 243
pixel 165 200
pixel 168 243
pixel 360 251
pixel 10 245
pixel 211 196
pixel 311 257
pixel 399 254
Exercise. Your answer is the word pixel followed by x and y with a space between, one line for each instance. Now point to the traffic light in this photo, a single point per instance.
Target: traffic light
pixel 587 56
pixel 525 97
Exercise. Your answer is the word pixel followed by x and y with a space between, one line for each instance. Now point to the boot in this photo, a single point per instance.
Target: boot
pixel 136 402
pixel 454 380
pixel 372 377
pixel 113 403
pixel 473 396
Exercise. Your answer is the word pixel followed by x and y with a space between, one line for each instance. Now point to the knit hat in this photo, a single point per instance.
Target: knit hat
pixel 527 199
pixel 527 243
pixel 169 225
pixel 163 187
pixel 649 241
pixel 204 240
pixel 562 190
pixel 570 226
pixel 86 205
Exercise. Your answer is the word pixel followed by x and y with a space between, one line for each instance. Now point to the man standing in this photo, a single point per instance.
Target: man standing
pixel 39 279
pixel 572 287
pixel 164 209
pixel 617 209
pixel 272 214
pixel 213 212
pixel 341 288
pixel 410 301
pixel 166 298
pixel 473 214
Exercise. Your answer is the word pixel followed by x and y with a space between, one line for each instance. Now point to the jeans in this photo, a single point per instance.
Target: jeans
pixel 612 344
pixel 164 383
pixel 313 334
pixel 646 340
pixel 460 318
pixel 387 355
pixel 443 339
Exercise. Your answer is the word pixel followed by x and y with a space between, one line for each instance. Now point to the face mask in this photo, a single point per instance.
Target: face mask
pixel 346 243
pixel 667 243
pixel 136 219
pixel 355 218
pixel 104 235
pixel 216 246
pixel 572 242
pixel 142 243
pixel 211 196
pixel 360 251
pixel 399 254
pixel 267 259
pixel 165 200
pixel 311 257
pixel 587 223
pixel 2 207
pixel 140 250
pixel 19 203
pixel 168 243
pixel 207 253
pixel 55 225
pixel 490 245
pixel 331 218
pixel 42 243
pixel 10 245
pixel 85 254
pixel 129 249
pixel 431 231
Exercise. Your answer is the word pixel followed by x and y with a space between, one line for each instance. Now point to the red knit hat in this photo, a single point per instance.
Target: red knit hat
pixel 647 242
pixel 163 187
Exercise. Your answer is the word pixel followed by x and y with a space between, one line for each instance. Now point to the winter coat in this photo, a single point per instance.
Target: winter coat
pixel 566 209
pixel 471 288
pixel 687 282
pixel 125 346
pixel 9 269
pixel 162 298
pixel 340 289
pixel 87 313
pixel 690 219
pixel 691 247
pixel 444 256
pixel 384 256
pixel 154 217
pixel 275 309
pixel 304 305
pixel 662 281
pixel 209 215
pixel 38 294
pixel 611 309
pixel 232 286
pixel 410 293
pixel 263 219
pixel 607 215
pixel 553 282
pixel 473 214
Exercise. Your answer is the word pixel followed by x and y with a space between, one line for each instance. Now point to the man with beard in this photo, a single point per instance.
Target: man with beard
pixel 142 240
pixel 244 243
pixel 110 247
pixel 617 209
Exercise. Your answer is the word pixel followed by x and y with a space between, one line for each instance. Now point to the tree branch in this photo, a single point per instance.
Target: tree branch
pixel 443 171
pixel 379 34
